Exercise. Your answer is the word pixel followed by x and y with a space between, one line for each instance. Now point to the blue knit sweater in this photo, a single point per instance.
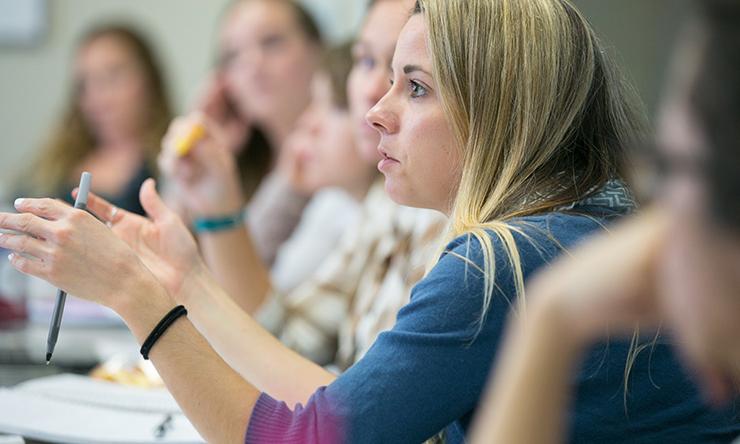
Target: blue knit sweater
pixel 427 373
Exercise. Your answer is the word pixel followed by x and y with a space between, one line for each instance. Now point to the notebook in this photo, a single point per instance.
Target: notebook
pixel 78 409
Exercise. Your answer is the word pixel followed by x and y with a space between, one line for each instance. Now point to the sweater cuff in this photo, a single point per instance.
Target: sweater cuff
pixel 273 421
pixel 268 420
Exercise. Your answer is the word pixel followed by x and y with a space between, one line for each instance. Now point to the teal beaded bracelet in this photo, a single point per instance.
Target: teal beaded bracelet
pixel 216 224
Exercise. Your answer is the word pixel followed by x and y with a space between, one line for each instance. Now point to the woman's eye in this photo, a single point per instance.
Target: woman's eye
pixel 367 62
pixel 416 89
pixel 272 42
pixel 364 62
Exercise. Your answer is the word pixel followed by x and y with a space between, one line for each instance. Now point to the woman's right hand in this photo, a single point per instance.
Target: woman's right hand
pixel 206 179
pixel 215 103
pixel 162 241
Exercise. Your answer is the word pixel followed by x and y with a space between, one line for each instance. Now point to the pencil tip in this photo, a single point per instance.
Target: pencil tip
pixel 48 358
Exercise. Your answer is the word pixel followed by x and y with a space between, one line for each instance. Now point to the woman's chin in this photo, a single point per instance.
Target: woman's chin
pixel 395 192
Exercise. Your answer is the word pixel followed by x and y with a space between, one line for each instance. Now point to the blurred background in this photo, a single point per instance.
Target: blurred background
pixel 38 38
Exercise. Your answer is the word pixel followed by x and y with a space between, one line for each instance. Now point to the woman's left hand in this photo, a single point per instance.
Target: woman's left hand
pixel 72 250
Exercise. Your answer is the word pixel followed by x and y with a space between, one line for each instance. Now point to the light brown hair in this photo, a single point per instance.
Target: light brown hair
pixel 72 139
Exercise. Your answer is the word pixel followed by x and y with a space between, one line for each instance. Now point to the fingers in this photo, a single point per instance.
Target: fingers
pixel 29 265
pixel 50 209
pixel 24 244
pixel 171 163
pixel 102 209
pixel 26 223
pixel 151 201
pixel 716 388
pixel 183 130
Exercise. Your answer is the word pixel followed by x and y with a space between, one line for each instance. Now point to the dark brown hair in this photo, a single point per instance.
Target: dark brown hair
pixel 256 158
pixel 337 64
pixel 305 21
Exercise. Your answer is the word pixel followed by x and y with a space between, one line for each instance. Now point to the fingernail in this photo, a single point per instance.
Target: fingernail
pixel 10 257
pixel 18 202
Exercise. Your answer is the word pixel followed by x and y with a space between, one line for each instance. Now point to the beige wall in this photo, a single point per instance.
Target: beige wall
pixel 34 81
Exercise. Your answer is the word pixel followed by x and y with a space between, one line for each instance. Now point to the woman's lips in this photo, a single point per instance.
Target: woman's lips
pixel 387 161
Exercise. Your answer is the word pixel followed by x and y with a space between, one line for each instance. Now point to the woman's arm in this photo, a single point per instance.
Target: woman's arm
pixel 275 211
pixel 61 244
pixel 212 395
pixel 207 181
pixel 252 351
pixel 72 250
pixel 531 388
pixel 237 266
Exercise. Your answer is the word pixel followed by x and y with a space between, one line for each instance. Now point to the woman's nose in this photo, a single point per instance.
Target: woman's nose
pixel 381 117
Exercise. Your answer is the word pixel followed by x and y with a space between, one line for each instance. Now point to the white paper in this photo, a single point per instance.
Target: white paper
pixel 75 409
pixel 93 392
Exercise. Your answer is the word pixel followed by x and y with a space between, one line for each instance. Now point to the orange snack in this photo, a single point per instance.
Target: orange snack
pixel 184 145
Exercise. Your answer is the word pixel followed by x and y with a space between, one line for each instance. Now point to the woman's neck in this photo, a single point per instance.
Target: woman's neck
pixel 118 146
pixel 119 142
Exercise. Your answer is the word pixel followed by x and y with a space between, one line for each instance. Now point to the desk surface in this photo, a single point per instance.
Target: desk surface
pixel 23 350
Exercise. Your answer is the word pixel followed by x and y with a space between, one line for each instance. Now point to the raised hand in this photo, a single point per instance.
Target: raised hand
pixel 206 180
pixel 162 241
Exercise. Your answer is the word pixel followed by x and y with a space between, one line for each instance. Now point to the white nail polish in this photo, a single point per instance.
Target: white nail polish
pixel 18 202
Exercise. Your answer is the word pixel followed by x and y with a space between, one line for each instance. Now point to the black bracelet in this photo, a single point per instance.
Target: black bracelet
pixel 161 327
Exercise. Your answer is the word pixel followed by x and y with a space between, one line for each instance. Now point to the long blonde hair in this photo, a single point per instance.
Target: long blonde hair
pixel 541 115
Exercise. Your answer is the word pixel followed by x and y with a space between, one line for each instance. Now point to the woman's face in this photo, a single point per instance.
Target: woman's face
pixel 368 81
pixel 420 159
pixel 113 90
pixel 323 143
pixel 267 61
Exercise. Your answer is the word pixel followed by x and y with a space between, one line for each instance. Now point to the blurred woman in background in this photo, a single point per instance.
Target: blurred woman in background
pixel 268 53
pixel 325 163
pixel 114 121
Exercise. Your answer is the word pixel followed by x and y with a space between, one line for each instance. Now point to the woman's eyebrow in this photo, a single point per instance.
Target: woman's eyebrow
pixel 408 69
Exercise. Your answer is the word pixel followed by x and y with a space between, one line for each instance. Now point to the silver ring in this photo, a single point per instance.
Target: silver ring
pixel 113 214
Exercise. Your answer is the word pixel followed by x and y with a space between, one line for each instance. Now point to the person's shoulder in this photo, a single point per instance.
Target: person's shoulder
pixel 547 229
pixel 565 228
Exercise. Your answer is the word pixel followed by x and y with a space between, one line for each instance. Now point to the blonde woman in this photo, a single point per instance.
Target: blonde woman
pixel 503 115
